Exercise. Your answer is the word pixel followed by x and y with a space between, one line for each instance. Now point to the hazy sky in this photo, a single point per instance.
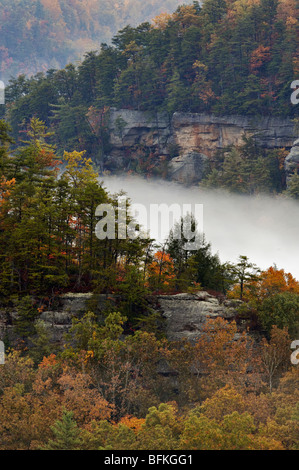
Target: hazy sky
pixel 264 229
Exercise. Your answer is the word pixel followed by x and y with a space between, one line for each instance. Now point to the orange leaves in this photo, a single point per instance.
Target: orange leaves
pixel 163 257
pixel 132 422
pixel 222 359
pixel 82 398
pixel 259 57
pixel 5 190
pixel 270 282
pixel 5 186
pixel 48 362
pixel 47 158
pixel 161 271
pixel 274 281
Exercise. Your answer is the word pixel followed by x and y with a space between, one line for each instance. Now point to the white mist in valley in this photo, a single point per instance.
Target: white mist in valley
pixel 263 228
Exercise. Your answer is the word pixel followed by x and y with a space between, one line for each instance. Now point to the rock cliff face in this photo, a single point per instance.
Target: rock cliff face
pixel 292 160
pixel 185 314
pixel 58 318
pixel 188 140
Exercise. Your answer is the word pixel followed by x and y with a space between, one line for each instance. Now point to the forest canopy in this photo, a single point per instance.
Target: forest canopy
pixel 41 34
pixel 221 57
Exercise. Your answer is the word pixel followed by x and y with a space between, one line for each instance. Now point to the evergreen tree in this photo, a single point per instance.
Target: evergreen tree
pixel 243 271
pixel 66 434
pixel 41 346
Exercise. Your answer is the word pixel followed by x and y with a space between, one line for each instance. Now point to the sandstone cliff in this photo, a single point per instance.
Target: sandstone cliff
pixel 184 314
pixel 187 140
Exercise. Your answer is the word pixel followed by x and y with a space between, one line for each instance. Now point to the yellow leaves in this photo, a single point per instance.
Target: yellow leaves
pixel 161 21
pixel 287 11
pixel 74 159
pixel 240 7
pixel 79 169
pixel 198 65
pixel 223 402
pixel 235 430
pixel 186 16
pixel 88 355
pixel 291 21
pixel 231 418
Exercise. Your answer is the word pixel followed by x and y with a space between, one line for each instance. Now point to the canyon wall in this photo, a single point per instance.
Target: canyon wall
pixel 187 140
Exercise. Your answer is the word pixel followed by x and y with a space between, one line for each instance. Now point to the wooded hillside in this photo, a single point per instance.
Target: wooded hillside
pixel 40 34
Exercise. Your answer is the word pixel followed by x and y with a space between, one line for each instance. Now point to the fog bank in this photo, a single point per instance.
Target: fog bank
pixel 263 228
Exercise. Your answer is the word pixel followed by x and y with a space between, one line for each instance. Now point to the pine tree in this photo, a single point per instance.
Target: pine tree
pixel 66 434
pixel 244 271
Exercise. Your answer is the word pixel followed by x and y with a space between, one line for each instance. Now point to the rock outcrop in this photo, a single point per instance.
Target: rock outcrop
pixel 187 140
pixel 188 168
pixel 292 160
pixel 208 133
pixel 184 314
pixel 58 317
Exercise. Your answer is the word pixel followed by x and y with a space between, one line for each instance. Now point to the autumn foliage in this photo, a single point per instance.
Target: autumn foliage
pixel 224 401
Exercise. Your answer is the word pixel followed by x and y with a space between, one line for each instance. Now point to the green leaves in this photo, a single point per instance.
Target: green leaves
pixel 66 434
pixel 281 310
pixel 245 169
